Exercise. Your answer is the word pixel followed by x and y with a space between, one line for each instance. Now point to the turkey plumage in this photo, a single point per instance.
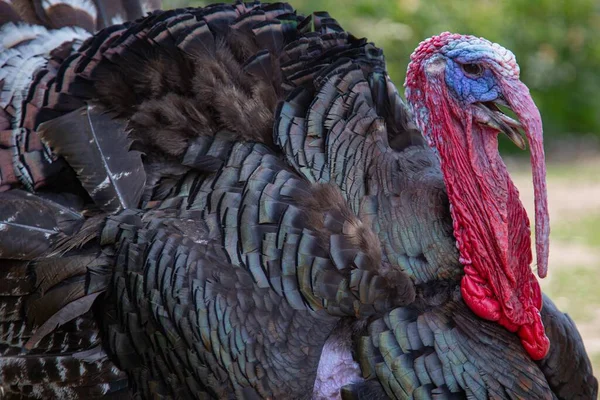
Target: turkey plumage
pixel 232 202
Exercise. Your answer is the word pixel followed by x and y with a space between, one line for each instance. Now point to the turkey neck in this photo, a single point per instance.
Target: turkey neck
pixel 490 223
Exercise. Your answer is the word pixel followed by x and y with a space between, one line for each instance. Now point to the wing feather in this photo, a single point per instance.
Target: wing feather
pixel 96 146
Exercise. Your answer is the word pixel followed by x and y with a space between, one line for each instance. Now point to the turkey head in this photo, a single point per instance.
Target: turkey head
pixel 454 85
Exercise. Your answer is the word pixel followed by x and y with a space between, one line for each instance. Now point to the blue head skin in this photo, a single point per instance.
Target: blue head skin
pixel 472 66
pixel 479 85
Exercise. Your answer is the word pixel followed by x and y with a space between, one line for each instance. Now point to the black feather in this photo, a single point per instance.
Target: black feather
pixel 96 146
pixel 30 224
pixel 367 390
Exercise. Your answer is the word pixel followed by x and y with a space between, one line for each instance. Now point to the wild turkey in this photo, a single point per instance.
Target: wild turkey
pixel 234 202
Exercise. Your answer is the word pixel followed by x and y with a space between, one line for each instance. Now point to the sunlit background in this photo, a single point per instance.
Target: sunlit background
pixel 557 44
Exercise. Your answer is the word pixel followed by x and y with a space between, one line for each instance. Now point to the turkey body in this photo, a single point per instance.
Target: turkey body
pixel 234 202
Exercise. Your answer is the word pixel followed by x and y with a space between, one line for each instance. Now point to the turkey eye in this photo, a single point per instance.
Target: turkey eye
pixel 473 69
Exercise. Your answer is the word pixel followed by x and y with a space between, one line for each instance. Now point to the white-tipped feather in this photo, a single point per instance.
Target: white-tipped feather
pixel 59 36
pixel 20 63
pixel 117 20
pixel 24 50
pixel 18 69
pixel 149 6
pixel 12 34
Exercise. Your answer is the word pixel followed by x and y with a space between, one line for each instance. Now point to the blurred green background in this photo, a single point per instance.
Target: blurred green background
pixel 557 45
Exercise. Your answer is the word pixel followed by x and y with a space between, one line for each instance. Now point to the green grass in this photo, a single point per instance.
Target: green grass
pixel 575 291
pixel 585 231
pixel 574 172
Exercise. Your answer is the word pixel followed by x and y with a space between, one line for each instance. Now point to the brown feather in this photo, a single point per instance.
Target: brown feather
pixel 42 306
pixel 26 11
pixel 67 313
pixel 52 271
pixel 57 14
pixel 188 95
pixel 60 15
pixel 89 231
pixel 8 13
pixel 327 198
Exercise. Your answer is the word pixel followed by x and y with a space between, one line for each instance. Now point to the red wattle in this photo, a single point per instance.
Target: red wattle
pixel 533 337
pixel 505 322
pixel 480 299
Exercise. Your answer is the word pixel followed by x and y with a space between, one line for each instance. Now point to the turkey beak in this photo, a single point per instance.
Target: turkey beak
pixel 519 100
pixel 489 114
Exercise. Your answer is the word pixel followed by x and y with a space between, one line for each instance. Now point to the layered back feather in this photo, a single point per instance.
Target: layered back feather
pixel 51 345
pixel 210 196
